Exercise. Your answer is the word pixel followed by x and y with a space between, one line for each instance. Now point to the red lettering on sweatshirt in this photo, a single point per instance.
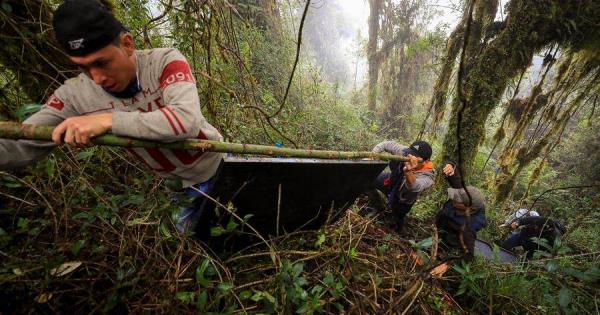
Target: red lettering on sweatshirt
pixel 149 106
pixel 148 92
pixel 176 71
pixel 55 102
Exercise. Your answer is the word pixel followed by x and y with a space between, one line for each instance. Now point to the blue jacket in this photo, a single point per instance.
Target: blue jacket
pixel 477 220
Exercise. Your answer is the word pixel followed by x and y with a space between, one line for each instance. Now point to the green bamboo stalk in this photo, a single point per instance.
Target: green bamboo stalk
pixel 11 130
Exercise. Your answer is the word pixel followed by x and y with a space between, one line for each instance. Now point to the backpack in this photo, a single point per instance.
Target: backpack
pixel 396 179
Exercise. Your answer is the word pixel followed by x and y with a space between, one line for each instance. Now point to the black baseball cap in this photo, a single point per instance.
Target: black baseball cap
pixel 421 149
pixel 82 27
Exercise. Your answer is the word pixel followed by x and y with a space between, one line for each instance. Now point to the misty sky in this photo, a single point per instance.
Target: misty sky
pixel 357 13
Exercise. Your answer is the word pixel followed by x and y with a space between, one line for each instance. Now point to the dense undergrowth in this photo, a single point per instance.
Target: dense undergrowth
pixel 76 237
pixel 91 231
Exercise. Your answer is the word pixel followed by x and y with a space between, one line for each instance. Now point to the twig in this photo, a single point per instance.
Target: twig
pixel 560 188
pixel 43 198
pixel 298 43
pixel 162 15
pixel 18 199
pixel 270 246
pixel 278 211
pixel 414 298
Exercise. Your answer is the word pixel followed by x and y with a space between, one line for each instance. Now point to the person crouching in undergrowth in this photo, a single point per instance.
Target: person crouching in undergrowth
pixel 527 228
pixel 406 180
pixel 462 216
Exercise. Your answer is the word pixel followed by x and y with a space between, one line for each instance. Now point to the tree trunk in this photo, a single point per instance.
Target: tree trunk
pixel 528 28
pixel 28 49
pixel 372 55
pixel 263 14
pixel 483 18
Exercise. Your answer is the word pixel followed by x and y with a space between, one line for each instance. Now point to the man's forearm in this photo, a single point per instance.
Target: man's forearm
pixel 410 178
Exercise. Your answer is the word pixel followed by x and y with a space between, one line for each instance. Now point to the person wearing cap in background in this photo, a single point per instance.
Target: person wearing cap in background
pixel 406 180
pixel 146 94
pixel 521 213
pixel 463 215
pixel 530 226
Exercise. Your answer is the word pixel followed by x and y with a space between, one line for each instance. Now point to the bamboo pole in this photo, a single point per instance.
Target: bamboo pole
pixel 16 131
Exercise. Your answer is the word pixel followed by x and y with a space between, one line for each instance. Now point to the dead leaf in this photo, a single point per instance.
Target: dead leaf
pixel 65 268
pixel 439 271
pixel 416 258
pixel 43 298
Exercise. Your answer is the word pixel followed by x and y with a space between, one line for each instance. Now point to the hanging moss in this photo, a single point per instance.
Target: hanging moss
pixel 535 175
pixel 530 26
pixel 440 90
pixel 483 20
pixel 526 154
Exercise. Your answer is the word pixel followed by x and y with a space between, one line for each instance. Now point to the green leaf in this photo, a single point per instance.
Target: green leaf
pixel 34 231
pixel 185 297
pixel 6 7
pixel 258 296
pixel 381 249
pixel 339 307
pixel 353 253
pixel 590 275
pixel 84 155
pixel 23 224
pixel 10 182
pixel 200 278
pixel 225 286
pixel 564 297
pixel 542 242
pixel 164 230
pixel 329 280
pixel 246 294
pixel 426 243
pixel 136 199
pixel 231 225
pixel 297 269
pixel 552 266
pixel 320 240
pixel 459 269
pixel 303 309
pixel 216 231
pixel 77 247
pixel 269 298
pixel 24 111
pixel 593 274
pixel 50 168
pixel 201 303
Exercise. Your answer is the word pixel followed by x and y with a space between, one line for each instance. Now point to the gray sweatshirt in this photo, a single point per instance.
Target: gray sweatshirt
pixel 424 176
pixel 166 109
